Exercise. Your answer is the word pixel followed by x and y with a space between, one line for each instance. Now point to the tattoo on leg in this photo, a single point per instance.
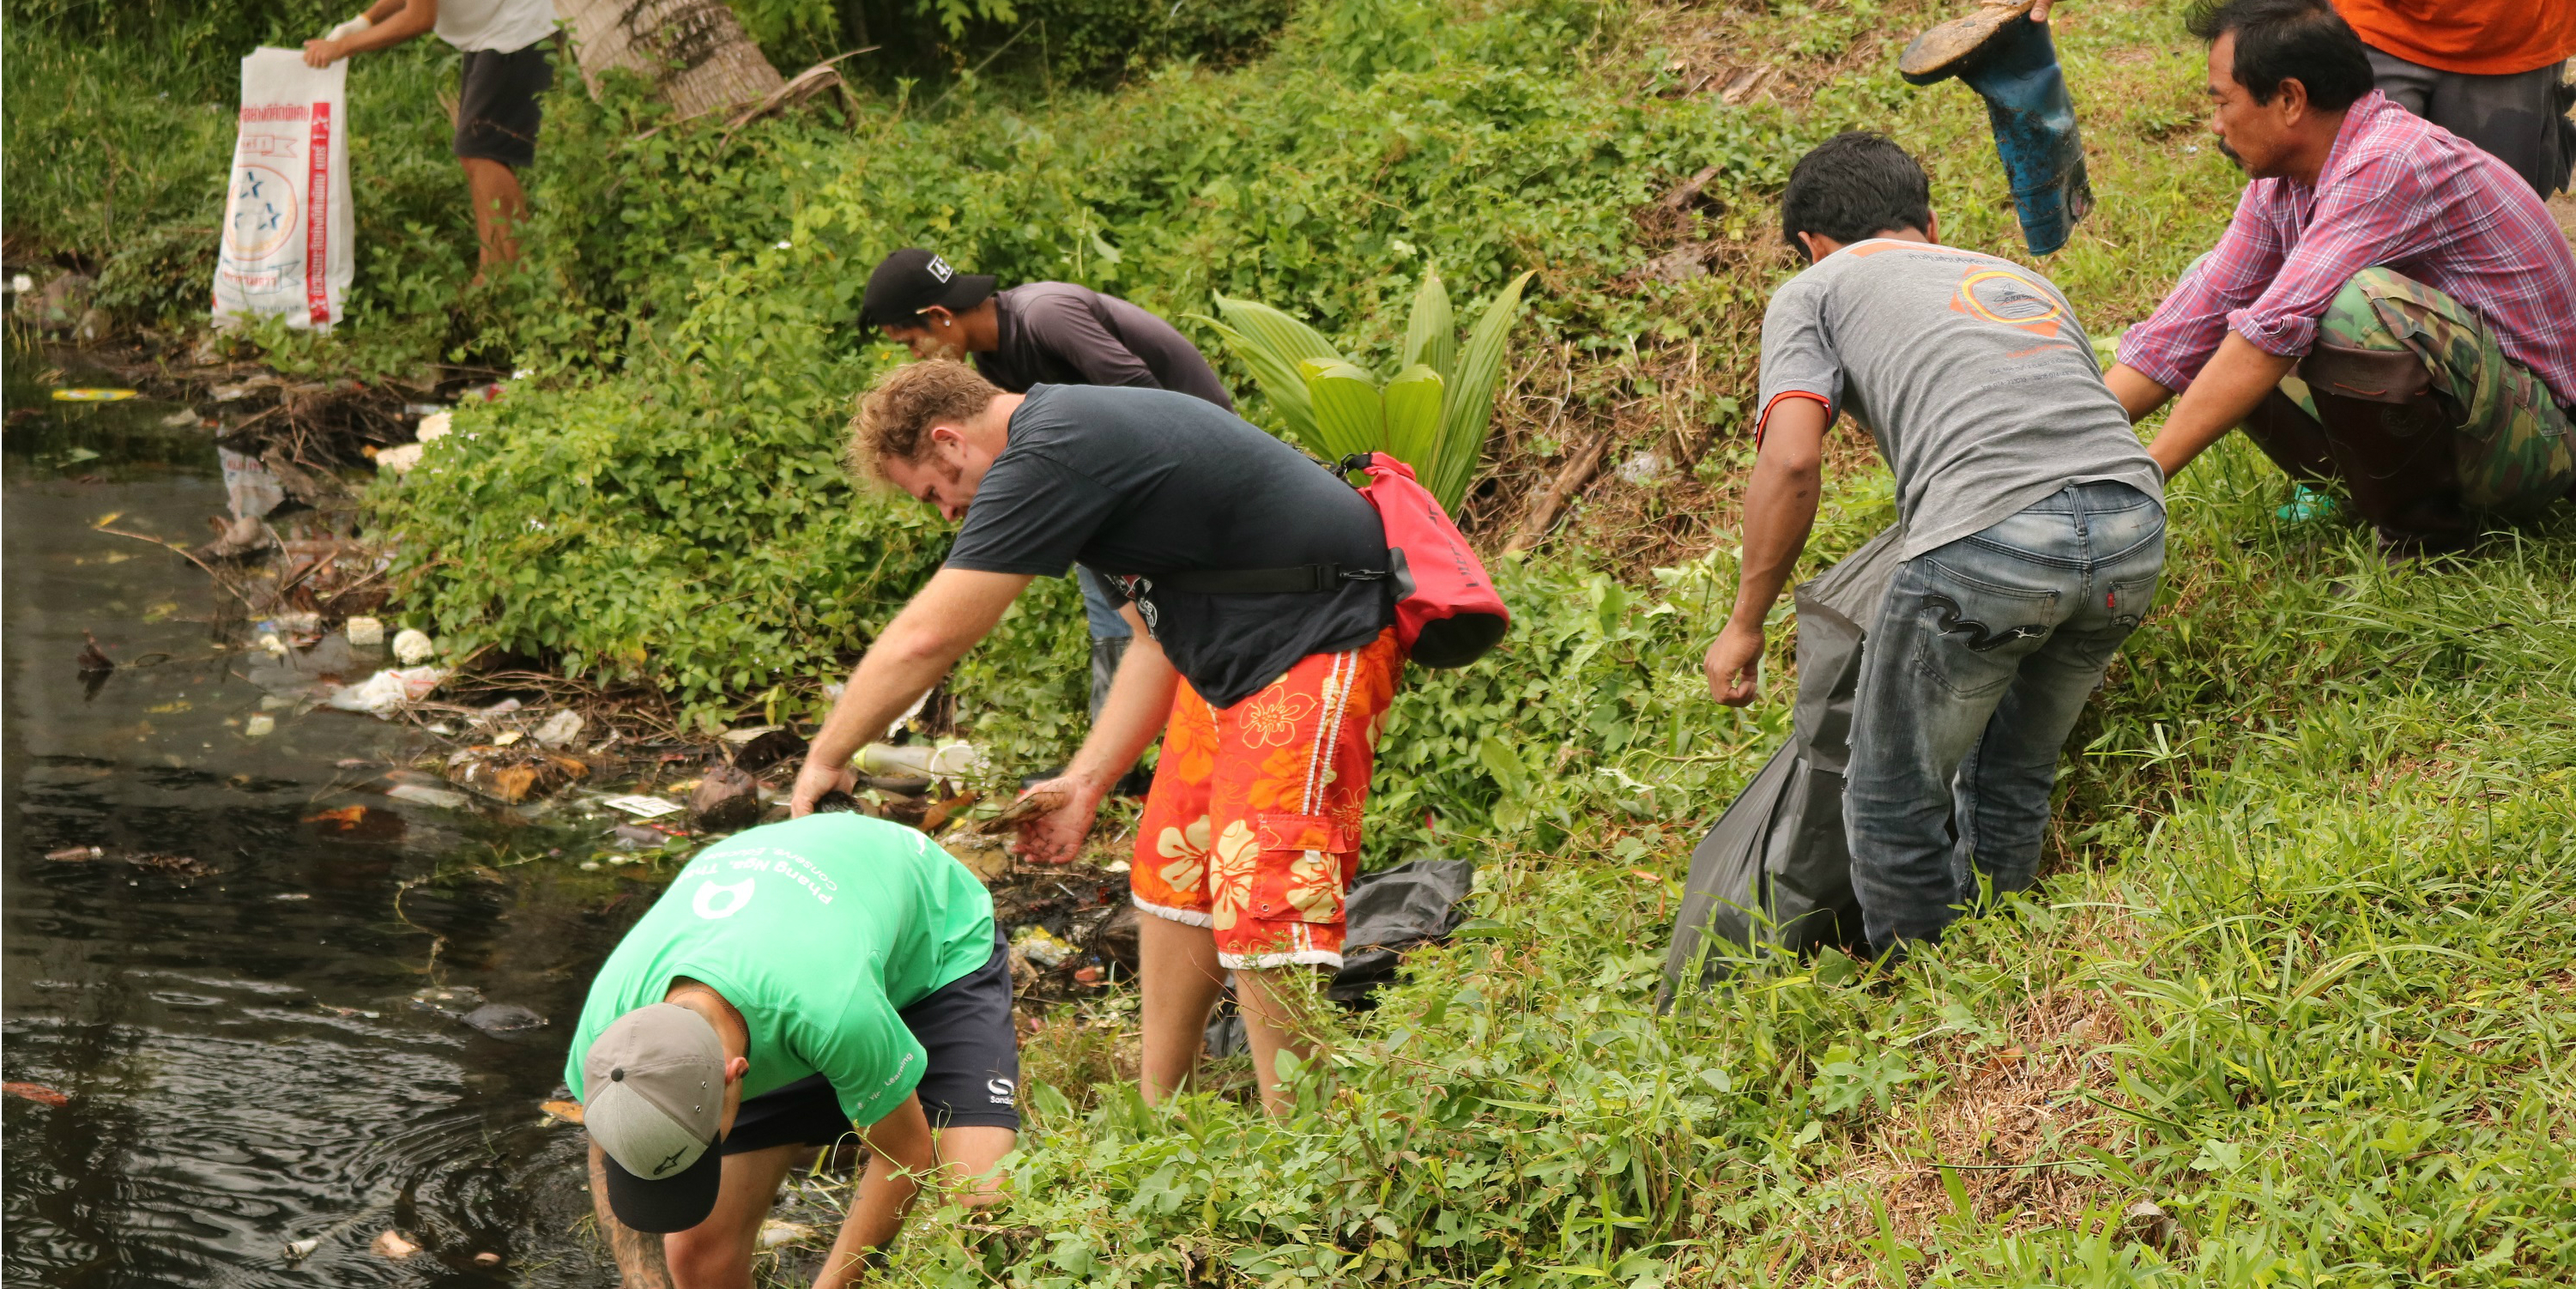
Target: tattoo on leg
pixel 638 1255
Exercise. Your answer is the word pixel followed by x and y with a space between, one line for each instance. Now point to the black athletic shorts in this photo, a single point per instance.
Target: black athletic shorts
pixel 496 107
pixel 972 1077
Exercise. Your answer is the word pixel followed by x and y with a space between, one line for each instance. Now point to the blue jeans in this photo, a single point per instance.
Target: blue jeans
pixel 1109 632
pixel 1980 662
pixel 1100 606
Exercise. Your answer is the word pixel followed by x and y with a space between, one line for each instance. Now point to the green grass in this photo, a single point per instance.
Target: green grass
pixel 2299 973
pixel 2300 976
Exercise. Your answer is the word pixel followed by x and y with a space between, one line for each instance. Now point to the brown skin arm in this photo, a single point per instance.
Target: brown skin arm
pixel 2138 392
pixel 956 609
pixel 394 21
pixel 2219 400
pixel 1779 512
pixel 639 1256
pixel 901 1153
pixel 1140 700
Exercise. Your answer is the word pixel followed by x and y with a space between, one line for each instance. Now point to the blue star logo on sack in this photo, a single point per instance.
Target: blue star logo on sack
pixel 263 214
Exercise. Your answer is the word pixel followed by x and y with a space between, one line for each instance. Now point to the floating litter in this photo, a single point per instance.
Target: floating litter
pixel 643 807
pixel 92 395
pixel 774 1233
pixel 439 797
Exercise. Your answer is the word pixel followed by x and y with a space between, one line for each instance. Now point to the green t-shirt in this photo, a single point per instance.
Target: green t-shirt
pixel 818 931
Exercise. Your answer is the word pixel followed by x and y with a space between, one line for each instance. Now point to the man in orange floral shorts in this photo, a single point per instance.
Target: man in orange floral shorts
pixel 1253 827
pixel 1268 695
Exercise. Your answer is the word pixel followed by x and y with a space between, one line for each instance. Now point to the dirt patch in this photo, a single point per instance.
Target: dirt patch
pixel 1742 53
pixel 2001 1134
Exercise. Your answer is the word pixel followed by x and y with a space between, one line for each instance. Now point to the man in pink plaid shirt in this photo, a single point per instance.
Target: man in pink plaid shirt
pixel 2391 308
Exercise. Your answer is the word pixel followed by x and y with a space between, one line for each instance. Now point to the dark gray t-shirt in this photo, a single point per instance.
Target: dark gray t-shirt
pixel 1056 333
pixel 1970 371
pixel 1137 482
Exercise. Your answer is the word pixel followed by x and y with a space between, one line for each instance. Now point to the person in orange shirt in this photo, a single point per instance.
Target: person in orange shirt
pixel 2488 71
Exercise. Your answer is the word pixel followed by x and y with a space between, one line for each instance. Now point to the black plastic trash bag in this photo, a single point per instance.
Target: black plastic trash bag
pixel 1391 912
pixel 1775 873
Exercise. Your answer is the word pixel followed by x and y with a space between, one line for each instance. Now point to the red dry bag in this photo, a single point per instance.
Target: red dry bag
pixel 1447 613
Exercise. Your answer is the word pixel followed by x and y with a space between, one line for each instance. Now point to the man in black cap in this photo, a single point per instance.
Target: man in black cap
pixel 1051 332
pixel 1054 333
pixel 794 981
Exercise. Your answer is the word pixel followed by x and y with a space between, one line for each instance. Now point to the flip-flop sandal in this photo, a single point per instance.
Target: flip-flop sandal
pixel 1940 51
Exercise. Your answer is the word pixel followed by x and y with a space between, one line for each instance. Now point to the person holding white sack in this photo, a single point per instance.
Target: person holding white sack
pixel 504 42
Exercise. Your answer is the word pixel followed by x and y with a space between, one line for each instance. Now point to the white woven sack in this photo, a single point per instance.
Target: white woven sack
pixel 287 224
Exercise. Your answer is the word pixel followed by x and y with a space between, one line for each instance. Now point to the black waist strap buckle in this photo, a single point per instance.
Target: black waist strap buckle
pixel 1297 579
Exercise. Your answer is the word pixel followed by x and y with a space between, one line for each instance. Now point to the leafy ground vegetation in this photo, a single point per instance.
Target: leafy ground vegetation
pixel 2298 973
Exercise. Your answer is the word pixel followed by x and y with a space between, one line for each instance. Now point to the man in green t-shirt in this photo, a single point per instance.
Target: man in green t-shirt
pixel 794 980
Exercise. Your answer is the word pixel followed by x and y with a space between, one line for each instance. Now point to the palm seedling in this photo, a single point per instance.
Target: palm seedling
pixel 1434 412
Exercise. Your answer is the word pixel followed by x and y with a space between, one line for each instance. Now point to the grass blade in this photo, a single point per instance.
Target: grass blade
pixel 1272 344
pixel 1413 401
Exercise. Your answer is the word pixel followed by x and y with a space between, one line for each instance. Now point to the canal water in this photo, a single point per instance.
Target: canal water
pixel 238 1056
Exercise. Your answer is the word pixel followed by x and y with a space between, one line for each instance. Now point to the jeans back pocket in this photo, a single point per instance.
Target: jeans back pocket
pixel 1976 630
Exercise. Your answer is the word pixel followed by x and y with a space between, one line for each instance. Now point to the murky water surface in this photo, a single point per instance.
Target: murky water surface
pixel 243 1061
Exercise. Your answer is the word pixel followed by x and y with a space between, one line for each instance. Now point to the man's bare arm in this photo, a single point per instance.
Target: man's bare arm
pixel 2220 398
pixel 1779 512
pixel 1140 700
pixel 391 22
pixel 2139 393
pixel 902 1155
pixel 639 1256
pixel 956 609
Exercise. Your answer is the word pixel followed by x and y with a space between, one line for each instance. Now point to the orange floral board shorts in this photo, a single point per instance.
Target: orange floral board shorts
pixel 1252 829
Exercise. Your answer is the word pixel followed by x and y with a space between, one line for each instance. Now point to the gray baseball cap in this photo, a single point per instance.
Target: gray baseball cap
pixel 654 1081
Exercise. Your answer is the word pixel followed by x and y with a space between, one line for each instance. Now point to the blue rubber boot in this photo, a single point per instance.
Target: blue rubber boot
pixel 2012 64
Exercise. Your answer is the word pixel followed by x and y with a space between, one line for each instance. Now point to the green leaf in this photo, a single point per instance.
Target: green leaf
pixel 1505 764
pixel 1279 380
pixel 1413 415
pixel 1272 344
pixel 1431 334
pixel 1470 412
pixel 1349 416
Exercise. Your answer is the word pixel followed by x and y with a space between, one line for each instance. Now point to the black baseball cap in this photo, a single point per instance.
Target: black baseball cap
pixel 911 280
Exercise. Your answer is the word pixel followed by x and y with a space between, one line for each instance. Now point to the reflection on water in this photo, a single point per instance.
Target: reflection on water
pixel 243 1064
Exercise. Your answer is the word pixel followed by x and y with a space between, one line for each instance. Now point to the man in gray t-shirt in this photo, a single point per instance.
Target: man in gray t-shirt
pixel 1970 371
pixel 2033 528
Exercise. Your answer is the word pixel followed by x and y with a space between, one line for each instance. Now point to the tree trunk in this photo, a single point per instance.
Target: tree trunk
pixel 693 51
